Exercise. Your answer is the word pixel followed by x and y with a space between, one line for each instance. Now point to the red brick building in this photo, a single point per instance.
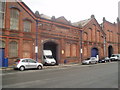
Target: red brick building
pixel 22 31
pixel 102 40
pixel 112 37
pixel 19 29
pixel 93 38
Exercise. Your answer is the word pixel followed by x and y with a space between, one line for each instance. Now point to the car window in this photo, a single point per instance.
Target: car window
pixel 31 61
pixel 114 55
pixel 44 57
pixel 23 61
pixel 87 58
pixel 17 60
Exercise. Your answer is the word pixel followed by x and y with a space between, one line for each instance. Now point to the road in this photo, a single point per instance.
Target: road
pixel 79 76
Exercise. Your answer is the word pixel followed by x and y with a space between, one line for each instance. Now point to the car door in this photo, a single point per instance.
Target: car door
pixel 26 63
pixel 32 63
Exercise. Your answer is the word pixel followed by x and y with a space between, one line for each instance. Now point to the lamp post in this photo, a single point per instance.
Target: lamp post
pixel 36 47
pixel 81 50
pixel 104 46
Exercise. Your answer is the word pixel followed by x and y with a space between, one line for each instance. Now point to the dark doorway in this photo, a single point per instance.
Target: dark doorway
pixel 53 47
pixel 110 51
pixel 94 52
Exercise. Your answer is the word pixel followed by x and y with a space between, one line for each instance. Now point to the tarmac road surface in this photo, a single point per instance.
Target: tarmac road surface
pixel 78 76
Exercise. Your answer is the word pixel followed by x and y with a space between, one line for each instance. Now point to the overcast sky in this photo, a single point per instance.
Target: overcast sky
pixel 76 10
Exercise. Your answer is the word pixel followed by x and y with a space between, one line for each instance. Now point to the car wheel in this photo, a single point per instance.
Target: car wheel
pixel 39 67
pixel 22 68
pixel 89 63
pixel 96 62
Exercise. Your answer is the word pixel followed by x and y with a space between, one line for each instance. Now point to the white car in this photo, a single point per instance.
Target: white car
pixel 92 60
pixel 27 63
pixel 115 57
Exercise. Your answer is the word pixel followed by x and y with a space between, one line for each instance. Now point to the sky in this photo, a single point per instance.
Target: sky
pixel 76 10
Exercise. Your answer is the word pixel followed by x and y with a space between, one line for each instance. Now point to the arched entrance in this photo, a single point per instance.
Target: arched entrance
pixel 94 52
pixel 110 51
pixel 53 47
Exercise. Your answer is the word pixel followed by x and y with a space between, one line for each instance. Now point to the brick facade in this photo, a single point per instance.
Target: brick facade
pixel 112 36
pixel 59 35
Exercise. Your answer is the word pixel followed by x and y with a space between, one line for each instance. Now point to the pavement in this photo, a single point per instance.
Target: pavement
pixel 44 67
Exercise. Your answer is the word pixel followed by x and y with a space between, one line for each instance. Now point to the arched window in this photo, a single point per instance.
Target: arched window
pixel 74 50
pixel 85 36
pixel 27 26
pixel 85 51
pixel 108 35
pixel 90 34
pixel 67 50
pixel 2 44
pixel 14 19
pixel 98 36
pixel 26 50
pixel 111 36
pixel 2 12
pixel 93 32
pixel 13 49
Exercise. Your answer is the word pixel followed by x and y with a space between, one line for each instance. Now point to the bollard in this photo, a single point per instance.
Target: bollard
pixel 65 61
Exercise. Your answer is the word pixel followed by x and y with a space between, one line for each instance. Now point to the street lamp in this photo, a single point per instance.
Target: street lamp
pixel 81 50
pixel 36 47
pixel 104 46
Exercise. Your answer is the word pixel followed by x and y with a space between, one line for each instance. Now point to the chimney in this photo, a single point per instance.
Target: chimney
pixel 104 19
pixel 37 14
pixel 53 18
pixel 118 19
pixel 92 16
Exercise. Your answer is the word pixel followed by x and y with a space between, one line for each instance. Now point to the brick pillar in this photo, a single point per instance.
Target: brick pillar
pixel 78 51
pixel 62 51
pixel 20 46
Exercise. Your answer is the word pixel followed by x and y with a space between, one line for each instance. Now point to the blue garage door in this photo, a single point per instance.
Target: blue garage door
pixel 2 56
pixel 94 52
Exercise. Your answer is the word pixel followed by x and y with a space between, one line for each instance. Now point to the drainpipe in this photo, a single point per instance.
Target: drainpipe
pixel 36 47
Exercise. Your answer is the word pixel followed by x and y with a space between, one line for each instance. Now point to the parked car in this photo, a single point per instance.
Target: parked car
pixel 27 63
pixel 104 60
pixel 107 59
pixel 48 58
pixel 92 60
pixel 115 57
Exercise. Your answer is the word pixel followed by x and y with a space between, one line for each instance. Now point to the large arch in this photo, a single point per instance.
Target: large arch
pixel 54 47
pixel 110 51
pixel 94 52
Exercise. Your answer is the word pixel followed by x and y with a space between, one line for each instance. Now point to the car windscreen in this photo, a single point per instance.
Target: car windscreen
pixel 114 55
pixel 87 59
pixel 50 57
